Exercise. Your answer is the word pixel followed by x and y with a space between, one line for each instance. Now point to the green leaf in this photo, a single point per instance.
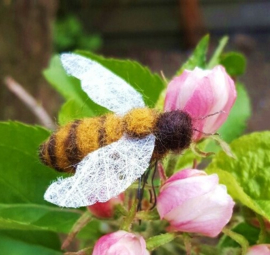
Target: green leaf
pixel 215 58
pixel 156 241
pixel 37 217
pixel 23 179
pixel 234 62
pixel 188 157
pixel 148 84
pixel 198 57
pixel 29 242
pixel 72 110
pixel 235 125
pixel 70 88
pixel 247 177
pixel 251 233
pixel 207 249
pixel 240 113
pixel 80 105
pixel 45 239
pixel 45 218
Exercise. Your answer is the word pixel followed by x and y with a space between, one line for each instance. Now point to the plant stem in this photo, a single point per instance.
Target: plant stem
pixel 241 240
pixel 171 165
pixel 78 225
pixel 156 241
pixel 84 251
pixel 262 235
pixel 130 217
pixel 187 243
pixel 148 215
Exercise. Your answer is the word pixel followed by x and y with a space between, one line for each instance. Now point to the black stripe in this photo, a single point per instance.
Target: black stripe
pixel 41 154
pixel 102 131
pixel 51 153
pixel 72 150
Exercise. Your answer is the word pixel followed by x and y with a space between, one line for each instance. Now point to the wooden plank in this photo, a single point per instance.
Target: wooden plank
pixel 138 19
pixel 95 3
pixel 155 23
pixel 153 41
pixel 166 18
pixel 236 16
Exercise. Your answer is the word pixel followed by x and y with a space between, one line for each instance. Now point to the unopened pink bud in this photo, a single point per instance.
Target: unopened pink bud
pixel 106 210
pixel 261 249
pixel 120 243
pixel 201 93
pixel 192 201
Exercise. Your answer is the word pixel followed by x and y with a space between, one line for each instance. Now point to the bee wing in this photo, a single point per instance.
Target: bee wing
pixel 101 85
pixel 104 173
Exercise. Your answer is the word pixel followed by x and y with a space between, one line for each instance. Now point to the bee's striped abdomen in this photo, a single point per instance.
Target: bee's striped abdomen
pixel 94 133
pixel 53 152
pixel 71 143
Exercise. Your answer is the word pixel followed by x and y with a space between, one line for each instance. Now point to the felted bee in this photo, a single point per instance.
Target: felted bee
pixel 108 153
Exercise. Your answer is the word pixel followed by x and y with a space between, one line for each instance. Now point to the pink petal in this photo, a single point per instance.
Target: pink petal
pixel 261 249
pixel 206 214
pixel 175 193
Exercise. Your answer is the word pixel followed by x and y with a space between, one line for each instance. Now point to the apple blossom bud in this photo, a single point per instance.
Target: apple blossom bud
pixel 192 201
pixel 261 249
pixel 201 93
pixel 120 243
pixel 106 210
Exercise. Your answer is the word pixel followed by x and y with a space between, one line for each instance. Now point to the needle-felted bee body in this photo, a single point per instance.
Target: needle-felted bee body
pixel 108 153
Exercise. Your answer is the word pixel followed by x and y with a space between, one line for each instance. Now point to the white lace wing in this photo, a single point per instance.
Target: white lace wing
pixel 101 85
pixel 104 173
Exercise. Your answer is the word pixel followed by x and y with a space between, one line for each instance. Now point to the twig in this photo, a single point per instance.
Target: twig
pixel 163 77
pixel 81 252
pixel 187 243
pixel 30 102
pixel 78 225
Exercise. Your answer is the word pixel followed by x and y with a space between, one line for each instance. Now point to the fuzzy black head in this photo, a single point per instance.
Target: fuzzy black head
pixel 173 132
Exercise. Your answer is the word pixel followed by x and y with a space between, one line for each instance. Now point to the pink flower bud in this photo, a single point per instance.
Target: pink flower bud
pixel 106 210
pixel 200 93
pixel 261 249
pixel 192 201
pixel 120 243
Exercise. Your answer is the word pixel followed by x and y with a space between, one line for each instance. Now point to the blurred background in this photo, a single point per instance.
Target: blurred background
pixel 157 33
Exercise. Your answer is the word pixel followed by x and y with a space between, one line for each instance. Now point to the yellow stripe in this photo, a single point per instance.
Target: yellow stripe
pixel 87 136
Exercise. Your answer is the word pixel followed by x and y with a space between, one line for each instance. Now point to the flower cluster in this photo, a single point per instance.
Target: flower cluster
pixel 120 243
pixel 106 210
pixel 201 93
pixel 190 200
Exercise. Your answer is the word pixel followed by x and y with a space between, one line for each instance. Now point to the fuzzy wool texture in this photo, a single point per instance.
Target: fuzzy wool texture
pixel 104 173
pixel 60 148
pixel 140 122
pixel 74 141
pixel 173 133
pixel 44 155
pixel 113 128
pixel 94 133
pixel 88 136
